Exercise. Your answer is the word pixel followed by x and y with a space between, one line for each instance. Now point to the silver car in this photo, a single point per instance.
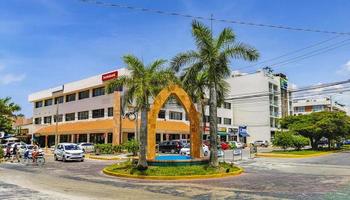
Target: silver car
pixel 68 151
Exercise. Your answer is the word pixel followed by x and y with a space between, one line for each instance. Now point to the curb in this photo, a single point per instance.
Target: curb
pixel 223 175
pixel 275 155
pixel 102 158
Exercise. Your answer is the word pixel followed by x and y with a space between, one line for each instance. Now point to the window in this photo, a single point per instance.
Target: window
pixel 70 97
pixel 299 109
pixel 317 108
pixel 38 104
pixel 48 102
pixel 206 118
pixel 98 92
pixel 186 117
pixel 70 117
pixel 227 121
pixel 84 94
pixel 227 105
pixel 161 114
pixel 60 118
pixel 175 115
pixel 47 120
pixel 59 100
pixel 37 120
pixel 98 113
pixel 219 120
pixel 110 112
pixel 83 115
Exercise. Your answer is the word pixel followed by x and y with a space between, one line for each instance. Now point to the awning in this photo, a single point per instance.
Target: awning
pixel 221 133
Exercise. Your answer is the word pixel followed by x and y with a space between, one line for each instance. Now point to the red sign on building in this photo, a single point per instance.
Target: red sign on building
pixel 109 76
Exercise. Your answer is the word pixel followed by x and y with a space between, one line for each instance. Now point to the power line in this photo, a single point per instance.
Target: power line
pixel 161 12
pixel 289 53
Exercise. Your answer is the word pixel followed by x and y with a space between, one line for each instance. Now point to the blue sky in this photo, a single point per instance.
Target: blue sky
pixel 45 43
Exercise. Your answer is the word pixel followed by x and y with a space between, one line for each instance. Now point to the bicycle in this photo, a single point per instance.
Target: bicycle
pixel 40 160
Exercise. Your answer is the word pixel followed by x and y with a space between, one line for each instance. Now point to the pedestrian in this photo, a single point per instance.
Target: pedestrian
pixel 15 153
pixel 8 152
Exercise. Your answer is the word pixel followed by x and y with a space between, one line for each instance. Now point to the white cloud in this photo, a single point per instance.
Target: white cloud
pixel 9 78
pixel 345 69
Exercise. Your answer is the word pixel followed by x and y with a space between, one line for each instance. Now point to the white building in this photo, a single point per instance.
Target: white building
pixel 309 105
pixel 258 101
pixel 87 113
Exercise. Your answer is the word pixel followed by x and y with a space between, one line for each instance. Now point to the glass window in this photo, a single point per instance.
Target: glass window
pixel 110 112
pixel 175 115
pixel 317 108
pixel 37 120
pixel 60 118
pixel 219 120
pixel 59 100
pixel 70 97
pixel 227 121
pixel 48 102
pixel 227 105
pixel 99 113
pixel 98 91
pixel 70 117
pixel 161 114
pixel 47 120
pixel 38 104
pixel 84 94
pixel 83 115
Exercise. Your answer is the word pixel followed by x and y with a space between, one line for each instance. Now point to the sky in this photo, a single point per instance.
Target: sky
pixel 46 43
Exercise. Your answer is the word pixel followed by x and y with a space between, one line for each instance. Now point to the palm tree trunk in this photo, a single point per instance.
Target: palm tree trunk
pixel 142 163
pixel 213 162
pixel 202 124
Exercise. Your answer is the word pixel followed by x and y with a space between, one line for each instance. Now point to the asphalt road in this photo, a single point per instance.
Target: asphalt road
pixel 326 177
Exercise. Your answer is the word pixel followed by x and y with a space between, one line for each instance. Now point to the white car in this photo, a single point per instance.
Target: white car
pixel 28 148
pixel 68 151
pixel 87 147
pixel 186 150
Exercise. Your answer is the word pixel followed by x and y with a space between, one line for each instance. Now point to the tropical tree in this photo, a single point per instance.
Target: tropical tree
pixel 143 84
pixel 213 57
pixel 8 111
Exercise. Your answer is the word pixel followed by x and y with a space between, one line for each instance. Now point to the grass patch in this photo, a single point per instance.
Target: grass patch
pixel 129 169
pixel 300 152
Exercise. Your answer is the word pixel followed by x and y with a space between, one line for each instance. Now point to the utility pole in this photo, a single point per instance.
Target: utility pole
pixel 56 128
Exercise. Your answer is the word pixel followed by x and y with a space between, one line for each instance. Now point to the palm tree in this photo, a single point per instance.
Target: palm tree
pixel 143 84
pixel 213 57
pixel 7 114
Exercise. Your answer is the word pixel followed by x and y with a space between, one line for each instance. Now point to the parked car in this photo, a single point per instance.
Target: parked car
pixel 87 147
pixel 224 146
pixel 186 149
pixel 261 143
pixel 68 151
pixel 170 146
pixel 238 145
pixel 346 142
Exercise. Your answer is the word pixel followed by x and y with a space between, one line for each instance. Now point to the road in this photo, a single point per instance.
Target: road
pixel 326 177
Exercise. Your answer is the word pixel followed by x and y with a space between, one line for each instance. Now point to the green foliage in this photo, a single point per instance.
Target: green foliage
pixel 132 146
pixel 129 168
pixel 331 125
pixel 300 142
pixel 1 153
pixel 104 148
pixel 7 114
pixel 117 148
pixel 232 145
pixel 284 139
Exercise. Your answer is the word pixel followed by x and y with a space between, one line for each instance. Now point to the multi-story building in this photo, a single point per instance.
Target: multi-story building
pixel 309 105
pixel 258 101
pixel 87 113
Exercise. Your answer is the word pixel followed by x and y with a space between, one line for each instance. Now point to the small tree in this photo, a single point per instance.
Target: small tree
pixel 284 140
pixel 1 153
pixel 300 142
pixel 132 146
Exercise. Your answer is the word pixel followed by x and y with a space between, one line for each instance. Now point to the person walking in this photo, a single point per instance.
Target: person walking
pixel 15 152
pixel 8 152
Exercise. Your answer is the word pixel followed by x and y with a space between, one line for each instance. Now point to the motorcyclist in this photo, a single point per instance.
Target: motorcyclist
pixel 35 152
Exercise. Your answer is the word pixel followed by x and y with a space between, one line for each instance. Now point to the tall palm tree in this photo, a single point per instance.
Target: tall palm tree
pixel 213 56
pixel 143 84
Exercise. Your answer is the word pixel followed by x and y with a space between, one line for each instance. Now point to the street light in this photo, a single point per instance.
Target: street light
pixel 55 93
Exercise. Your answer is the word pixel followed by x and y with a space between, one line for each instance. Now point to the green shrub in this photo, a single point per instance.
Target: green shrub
pixel 132 146
pixel 103 148
pixel 117 148
pixel 1 153
pixel 284 139
pixel 300 141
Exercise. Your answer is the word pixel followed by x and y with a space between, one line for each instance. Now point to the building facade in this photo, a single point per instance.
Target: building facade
pixel 309 105
pixel 259 100
pixel 87 113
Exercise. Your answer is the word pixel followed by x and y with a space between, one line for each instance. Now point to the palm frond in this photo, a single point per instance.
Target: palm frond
pixel 242 51
pixel 226 37
pixel 182 59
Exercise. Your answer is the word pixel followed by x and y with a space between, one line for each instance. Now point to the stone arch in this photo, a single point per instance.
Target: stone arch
pixel 191 111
